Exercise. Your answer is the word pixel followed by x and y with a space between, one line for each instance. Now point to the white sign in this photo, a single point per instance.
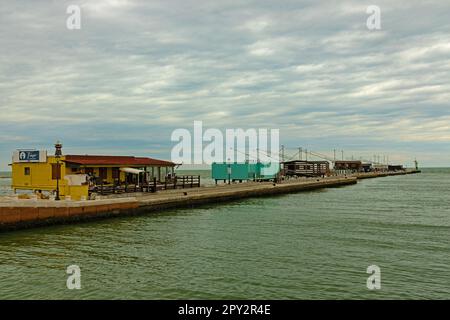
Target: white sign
pixel 21 156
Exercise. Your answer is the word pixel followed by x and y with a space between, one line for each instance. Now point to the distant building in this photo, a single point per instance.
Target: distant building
pixel 380 167
pixel 344 166
pixel 36 171
pixel 393 167
pixel 366 167
pixel 301 168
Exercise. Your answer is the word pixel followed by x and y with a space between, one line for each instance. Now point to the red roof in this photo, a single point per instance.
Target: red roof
pixel 116 161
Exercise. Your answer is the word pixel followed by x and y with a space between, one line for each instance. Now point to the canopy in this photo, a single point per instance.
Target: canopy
pixel 132 170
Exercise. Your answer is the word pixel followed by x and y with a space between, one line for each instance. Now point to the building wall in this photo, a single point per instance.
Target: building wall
pixel 40 177
pixel 96 172
pixel 153 172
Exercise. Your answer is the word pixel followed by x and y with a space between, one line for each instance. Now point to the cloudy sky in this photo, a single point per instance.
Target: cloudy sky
pixel 138 69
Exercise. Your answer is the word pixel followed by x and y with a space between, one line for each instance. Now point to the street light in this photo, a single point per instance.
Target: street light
pixel 58 153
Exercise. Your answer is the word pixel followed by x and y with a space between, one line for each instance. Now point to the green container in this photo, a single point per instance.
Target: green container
pixel 244 171
pixel 238 171
pixel 267 171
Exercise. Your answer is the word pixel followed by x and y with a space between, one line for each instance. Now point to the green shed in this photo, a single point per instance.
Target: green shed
pixel 244 171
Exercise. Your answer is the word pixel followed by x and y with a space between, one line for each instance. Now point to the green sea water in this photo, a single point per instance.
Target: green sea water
pixel 311 245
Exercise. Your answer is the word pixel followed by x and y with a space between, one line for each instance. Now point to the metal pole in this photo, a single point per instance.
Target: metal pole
pixel 57 179
pixel 229 172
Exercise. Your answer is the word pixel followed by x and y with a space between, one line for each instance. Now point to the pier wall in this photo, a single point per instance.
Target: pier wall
pixel 368 175
pixel 29 213
pixel 236 192
pixel 18 214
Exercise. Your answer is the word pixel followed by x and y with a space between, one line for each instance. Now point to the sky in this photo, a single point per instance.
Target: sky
pixel 139 69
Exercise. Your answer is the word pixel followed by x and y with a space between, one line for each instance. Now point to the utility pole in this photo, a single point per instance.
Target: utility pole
pixel 342 152
pixel 300 156
pixel 334 151
pixel 306 155
pixel 229 171
pixel 282 153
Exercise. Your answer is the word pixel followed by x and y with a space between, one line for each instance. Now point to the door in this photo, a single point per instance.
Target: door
pixel 27 176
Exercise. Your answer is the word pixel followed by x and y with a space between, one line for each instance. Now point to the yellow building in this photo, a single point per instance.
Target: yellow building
pixel 75 174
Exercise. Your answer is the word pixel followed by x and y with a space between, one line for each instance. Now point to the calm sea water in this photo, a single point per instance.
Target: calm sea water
pixel 313 245
pixel 5 183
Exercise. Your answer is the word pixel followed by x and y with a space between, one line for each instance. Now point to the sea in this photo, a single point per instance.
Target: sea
pixel 310 245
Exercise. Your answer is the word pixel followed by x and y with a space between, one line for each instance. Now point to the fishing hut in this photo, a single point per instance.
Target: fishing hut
pixel 395 167
pixel 366 167
pixel 303 168
pixel 347 166
pixel 379 167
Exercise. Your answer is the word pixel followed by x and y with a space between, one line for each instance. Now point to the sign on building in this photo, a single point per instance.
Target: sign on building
pixel 29 156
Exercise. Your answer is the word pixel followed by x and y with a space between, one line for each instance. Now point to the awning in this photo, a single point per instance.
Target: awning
pixel 131 170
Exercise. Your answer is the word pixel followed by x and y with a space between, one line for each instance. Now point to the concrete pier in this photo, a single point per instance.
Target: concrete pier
pixel 18 214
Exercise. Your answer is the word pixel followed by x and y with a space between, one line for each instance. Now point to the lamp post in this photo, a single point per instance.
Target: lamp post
pixel 58 153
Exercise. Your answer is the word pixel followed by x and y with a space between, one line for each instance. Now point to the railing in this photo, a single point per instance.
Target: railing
pixel 151 186
pixel 187 181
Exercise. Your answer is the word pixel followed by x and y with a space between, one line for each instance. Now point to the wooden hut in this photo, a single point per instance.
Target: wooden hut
pixel 346 165
pixel 302 168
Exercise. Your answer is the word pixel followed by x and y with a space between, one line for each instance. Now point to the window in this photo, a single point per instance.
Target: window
pixel 103 173
pixel 56 171
pixel 115 173
pixel 27 171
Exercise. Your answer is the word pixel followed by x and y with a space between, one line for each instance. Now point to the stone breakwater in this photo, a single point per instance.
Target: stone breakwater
pixel 18 214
